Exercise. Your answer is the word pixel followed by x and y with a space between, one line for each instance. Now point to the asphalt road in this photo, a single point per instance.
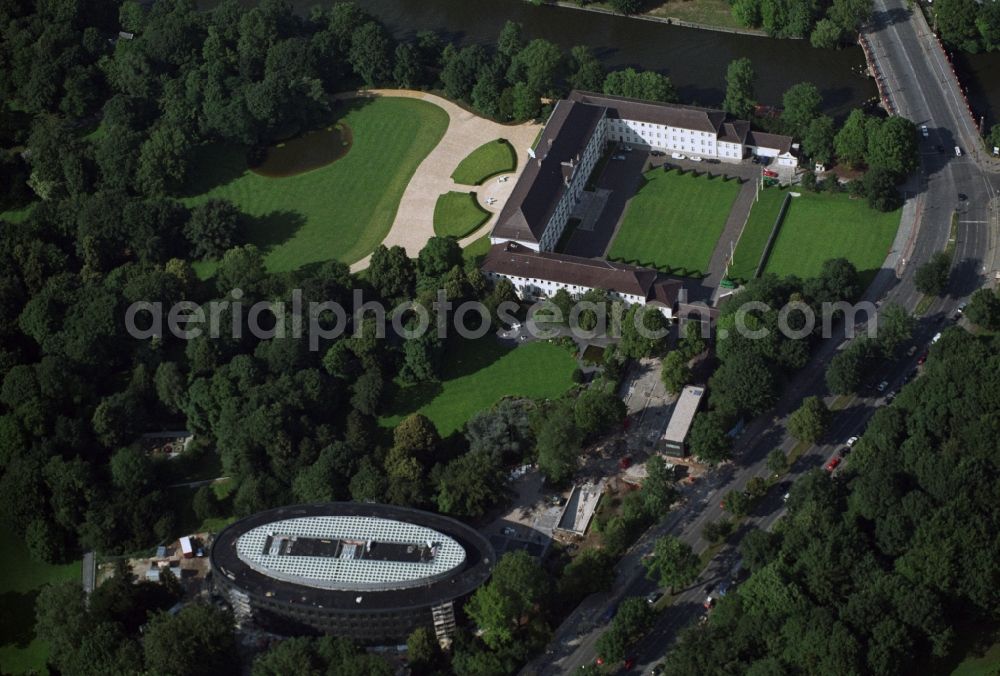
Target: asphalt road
pixel 923 91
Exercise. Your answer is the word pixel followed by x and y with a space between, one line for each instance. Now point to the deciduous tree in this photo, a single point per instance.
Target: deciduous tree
pixel 740 97
pixel 673 563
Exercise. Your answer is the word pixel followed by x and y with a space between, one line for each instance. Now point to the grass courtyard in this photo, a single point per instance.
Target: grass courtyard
pixel 458 214
pixel 755 234
pixel 819 226
pixel 674 221
pixel 477 374
pixel 338 211
pixel 490 159
pixel 21 578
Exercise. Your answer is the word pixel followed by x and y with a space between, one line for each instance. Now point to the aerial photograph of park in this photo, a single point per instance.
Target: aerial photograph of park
pixel 530 337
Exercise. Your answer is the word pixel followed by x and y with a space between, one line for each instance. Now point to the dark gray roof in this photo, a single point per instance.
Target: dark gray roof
pixel 735 132
pixel 463 580
pixel 512 259
pixel 671 114
pixel 760 139
pixel 543 181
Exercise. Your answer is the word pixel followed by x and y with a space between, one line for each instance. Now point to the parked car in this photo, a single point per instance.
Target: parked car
pixel 936 338
pixel 923 130
pixel 694 158
pixel 657 153
pixel 889 397
pixel 618 157
pixel 853 440
pixel 677 156
pixel 709 603
pixel 625 462
pixel 770 174
pixel 962 197
pixel 832 465
pixel 958 151
pixel 629 662
pixel 844 451
pixel 922 358
pixel 653 596
pixel 882 385
pixel 627 149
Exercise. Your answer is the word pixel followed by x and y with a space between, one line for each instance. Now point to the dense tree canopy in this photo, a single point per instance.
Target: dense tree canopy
pixel 900 537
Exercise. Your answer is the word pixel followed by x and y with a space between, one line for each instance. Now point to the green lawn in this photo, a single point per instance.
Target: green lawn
pixel 819 226
pixel 17 215
pixel 21 578
pixel 458 214
pixel 987 664
pixel 340 211
pixel 477 374
pixel 707 12
pixel 755 234
pixel 489 159
pixel 477 250
pixel 674 221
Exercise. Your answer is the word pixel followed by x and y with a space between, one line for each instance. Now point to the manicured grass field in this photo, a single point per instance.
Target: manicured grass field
pixel 674 221
pixel 17 215
pixel 458 214
pixel 340 211
pixel 708 12
pixel 755 234
pixel 824 225
pixel 21 578
pixel 987 664
pixel 477 374
pixel 489 159
pixel 477 250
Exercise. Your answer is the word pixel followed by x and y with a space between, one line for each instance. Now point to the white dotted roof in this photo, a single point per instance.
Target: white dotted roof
pixel 346 573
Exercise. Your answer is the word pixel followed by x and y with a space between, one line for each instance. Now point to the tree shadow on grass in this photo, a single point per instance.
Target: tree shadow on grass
pixel 17 621
pixel 274 228
pixel 462 358
pixel 213 165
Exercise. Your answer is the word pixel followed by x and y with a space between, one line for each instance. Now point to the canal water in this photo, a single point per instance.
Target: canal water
pixel 694 59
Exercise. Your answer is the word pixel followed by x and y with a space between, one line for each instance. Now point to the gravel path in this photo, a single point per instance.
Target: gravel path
pixel 414 222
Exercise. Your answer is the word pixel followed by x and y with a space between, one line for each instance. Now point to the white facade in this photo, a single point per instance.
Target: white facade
pixel 677 139
pixel 530 289
pixel 577 182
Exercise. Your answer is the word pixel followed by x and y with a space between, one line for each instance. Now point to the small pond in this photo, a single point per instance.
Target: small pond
pixel 309 151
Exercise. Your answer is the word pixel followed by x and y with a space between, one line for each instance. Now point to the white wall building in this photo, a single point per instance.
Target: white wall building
pixel 575 137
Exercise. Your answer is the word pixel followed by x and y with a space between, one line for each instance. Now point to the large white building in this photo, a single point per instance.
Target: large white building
pixel 550 187
pixel 538 275
pixel 576 135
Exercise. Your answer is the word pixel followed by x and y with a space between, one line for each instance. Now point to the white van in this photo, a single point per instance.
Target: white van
pixel 958 151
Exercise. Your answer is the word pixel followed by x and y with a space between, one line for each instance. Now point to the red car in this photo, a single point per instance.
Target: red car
pixel 770 174
pixel 832 465
pixel 922 358
pixel 625 462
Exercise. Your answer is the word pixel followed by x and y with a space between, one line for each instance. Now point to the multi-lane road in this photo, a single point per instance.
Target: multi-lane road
pixel 923 89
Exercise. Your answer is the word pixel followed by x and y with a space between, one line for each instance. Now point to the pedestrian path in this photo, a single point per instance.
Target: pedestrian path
pixel 414 221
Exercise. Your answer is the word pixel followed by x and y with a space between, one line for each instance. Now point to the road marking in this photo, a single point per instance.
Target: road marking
pixel 960 222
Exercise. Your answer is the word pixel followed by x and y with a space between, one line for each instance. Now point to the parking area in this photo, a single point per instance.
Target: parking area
pixel 532 517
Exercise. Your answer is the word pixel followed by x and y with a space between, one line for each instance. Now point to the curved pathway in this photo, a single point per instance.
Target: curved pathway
pixel 414 221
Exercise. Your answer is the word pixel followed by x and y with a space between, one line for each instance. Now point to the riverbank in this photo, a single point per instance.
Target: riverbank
pixel 710 15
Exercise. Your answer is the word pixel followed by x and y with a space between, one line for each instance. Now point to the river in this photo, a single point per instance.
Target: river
pixel 694 59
